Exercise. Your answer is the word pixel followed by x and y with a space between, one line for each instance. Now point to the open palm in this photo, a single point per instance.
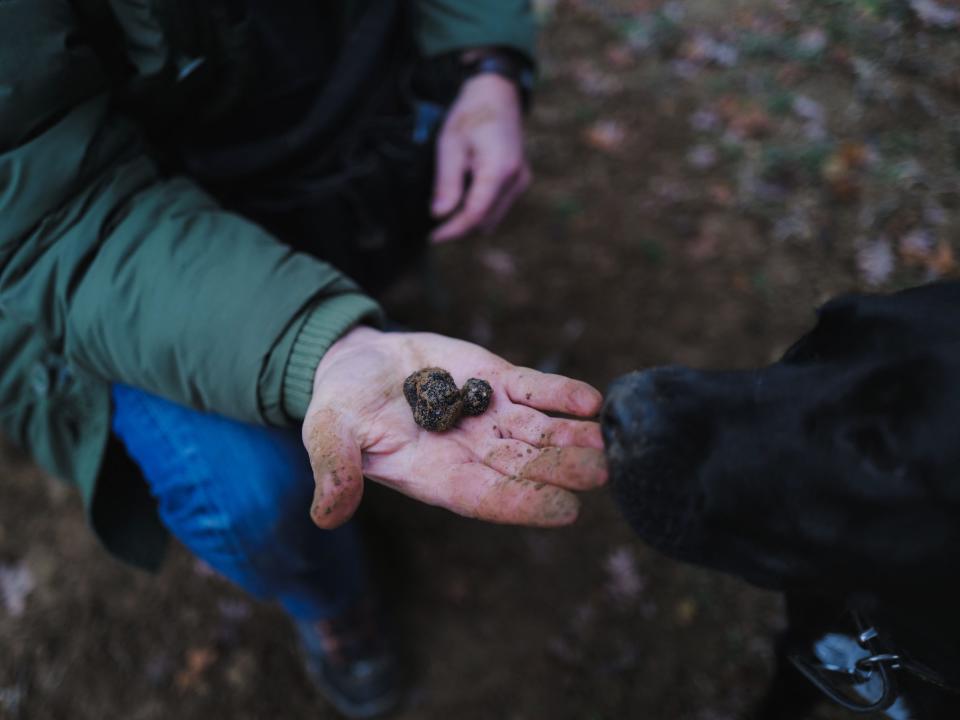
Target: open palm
pixel 513 464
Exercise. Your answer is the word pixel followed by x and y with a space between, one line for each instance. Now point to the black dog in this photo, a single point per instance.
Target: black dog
pixel 834 475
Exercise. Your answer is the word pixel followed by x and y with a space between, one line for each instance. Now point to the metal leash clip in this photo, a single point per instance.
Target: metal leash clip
pixel 862 685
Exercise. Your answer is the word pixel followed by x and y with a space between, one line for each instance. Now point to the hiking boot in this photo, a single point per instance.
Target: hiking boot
pixel 351 662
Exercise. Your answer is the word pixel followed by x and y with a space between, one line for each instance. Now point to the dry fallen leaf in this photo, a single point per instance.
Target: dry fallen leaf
pixel 752 123
pixel 702 156
pixel 841 170
pixel 740 282
pixel 809 109
pixel 624 583
pixel 605 135
pixel 499 262
pixel 620 56
pixel 706 244
pixel 705 49
pixel 721 194
pixel 944 262
pixel 916 247
pixel 744 119
pixel 705 121
pixel 198 661
pixel 935 14
pixel 812 41
pixel 919 248
pixel 875 261
pixel 685 612
pixel 234 610
pixel 591 80
pixel 16 583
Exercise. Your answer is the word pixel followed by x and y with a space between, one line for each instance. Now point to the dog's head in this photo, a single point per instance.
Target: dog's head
pixel 839 463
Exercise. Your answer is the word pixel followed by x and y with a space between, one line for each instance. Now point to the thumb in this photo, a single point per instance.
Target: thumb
pixel 335 458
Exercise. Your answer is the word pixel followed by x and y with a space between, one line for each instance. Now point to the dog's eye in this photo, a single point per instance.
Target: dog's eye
pixel 874 442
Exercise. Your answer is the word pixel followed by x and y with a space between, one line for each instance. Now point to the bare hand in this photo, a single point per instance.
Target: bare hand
pixel 482 138
pixel 513 464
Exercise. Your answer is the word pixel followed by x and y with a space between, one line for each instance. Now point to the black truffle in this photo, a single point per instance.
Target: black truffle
pixel 434 399
pixel 476 396
pixel 437 404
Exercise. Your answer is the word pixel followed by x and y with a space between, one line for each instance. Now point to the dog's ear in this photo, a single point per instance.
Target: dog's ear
pixel 875 412
pixel 853 327
pixel 860 326
pixel 829 337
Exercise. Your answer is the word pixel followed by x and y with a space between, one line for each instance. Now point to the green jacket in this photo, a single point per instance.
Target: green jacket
pixel 111 271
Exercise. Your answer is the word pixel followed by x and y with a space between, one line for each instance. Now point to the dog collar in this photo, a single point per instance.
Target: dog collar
pixel 863 681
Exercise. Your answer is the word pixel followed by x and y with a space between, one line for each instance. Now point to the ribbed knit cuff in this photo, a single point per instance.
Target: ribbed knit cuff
pixel 323 325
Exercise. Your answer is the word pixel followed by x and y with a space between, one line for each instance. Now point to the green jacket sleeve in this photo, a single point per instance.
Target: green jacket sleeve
pixel 286 384
pixel 445 25
pixel 130 276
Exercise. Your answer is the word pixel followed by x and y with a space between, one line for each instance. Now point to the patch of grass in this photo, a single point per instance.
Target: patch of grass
pixel 899 143
pixel 655 31
pixel 567 207
pixel 795 161
pixel 780 103
pixel 723 83
pixel 652 250
pixel 731 151
pixel 852 21
pixel 897 9
pixel 756 45
pixel 777 47
pixel 759 282
pixel 586 114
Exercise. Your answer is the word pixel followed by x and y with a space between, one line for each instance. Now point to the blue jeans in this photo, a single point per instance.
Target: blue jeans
pixel 238 496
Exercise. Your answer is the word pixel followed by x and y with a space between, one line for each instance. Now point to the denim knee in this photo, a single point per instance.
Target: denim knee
pixel 269 512
pixel 237 495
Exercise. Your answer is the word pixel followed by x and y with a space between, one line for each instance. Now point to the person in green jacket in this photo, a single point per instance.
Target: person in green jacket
pixel 198 203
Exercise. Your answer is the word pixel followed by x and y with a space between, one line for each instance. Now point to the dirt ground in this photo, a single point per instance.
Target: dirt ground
pixel 706 173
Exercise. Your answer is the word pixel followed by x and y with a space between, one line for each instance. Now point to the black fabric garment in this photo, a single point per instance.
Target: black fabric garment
pixel 296 116
pixel 321 152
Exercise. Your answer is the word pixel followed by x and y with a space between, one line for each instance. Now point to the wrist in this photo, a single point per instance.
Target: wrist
pixel 493 86
pixel 305 344
pixel 358 340
pixel 441 78
pixel 510 65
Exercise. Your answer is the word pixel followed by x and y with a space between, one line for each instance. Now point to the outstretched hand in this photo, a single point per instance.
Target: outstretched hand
pixel 481 165
pixel 513 464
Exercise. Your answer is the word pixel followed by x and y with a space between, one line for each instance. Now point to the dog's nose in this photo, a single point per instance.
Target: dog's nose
pixel 617 413
pixel 630 408
pixel 646 405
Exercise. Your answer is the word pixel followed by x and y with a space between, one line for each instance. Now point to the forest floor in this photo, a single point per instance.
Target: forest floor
pixel 707 173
